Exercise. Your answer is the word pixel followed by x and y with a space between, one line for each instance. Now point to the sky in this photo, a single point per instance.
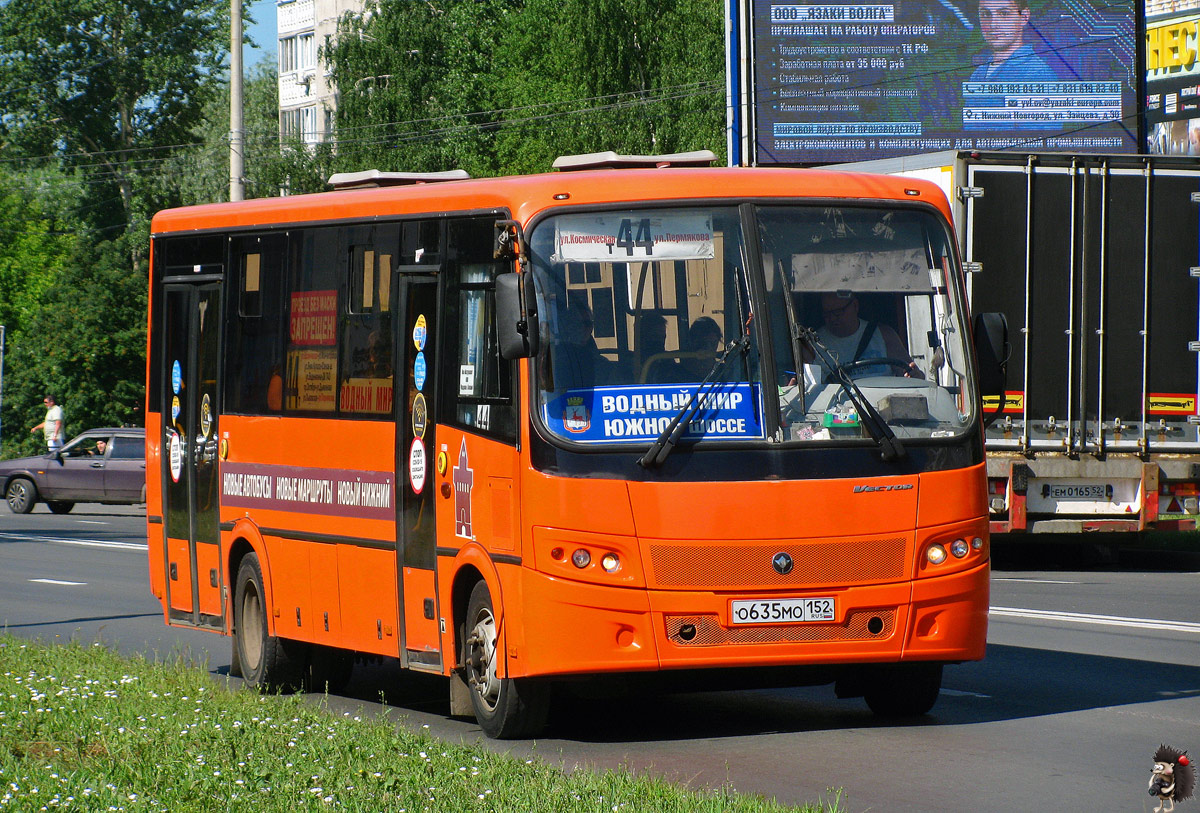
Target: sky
pixel 263 32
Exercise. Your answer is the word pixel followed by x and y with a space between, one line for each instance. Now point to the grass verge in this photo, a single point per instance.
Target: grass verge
pixel 82 728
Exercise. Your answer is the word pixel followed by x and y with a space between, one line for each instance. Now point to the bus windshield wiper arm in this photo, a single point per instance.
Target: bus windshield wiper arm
pixel 890 447
pixel 661 448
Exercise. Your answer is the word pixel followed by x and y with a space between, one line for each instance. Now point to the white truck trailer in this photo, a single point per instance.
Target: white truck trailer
pixel 1095 262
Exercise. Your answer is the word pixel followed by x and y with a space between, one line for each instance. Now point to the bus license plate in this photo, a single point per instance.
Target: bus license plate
pixel 783 611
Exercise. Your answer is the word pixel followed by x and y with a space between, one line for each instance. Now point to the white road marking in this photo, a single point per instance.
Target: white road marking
pixel 58 581
pixel 90 543
pixel 1101 620
pixel 1033 581
pixel 92 521
pixel 957 693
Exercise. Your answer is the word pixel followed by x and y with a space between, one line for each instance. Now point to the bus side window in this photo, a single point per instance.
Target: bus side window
pixel 253 359
pixel 481 379
pixel 366 335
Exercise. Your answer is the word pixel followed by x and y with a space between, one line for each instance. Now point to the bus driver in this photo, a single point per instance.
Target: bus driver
pixel 851 339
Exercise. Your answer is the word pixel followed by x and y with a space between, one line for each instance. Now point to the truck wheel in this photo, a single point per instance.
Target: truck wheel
pixel 60 506
pixel 505 708
pixel 21 495
pixel 267 662
pixel 904 690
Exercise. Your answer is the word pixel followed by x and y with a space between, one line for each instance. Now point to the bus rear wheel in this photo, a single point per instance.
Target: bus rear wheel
pixel 266 662
pixel 505 708
pixel 904 689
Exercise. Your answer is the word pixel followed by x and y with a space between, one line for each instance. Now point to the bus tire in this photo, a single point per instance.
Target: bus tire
pixel 329 669
pixel 904 690
pixel 267 663
pixel 505 708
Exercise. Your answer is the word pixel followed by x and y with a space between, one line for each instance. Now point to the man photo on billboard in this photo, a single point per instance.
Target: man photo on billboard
pixel 1003 24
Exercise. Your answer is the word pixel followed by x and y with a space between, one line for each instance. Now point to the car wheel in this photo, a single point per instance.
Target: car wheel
pixel 60 506
pixel 21 495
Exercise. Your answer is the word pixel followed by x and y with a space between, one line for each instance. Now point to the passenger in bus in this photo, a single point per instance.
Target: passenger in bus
pixel 703 341
pixel 275 389
pixel 850 339
pixel 652 342
pixel 577 361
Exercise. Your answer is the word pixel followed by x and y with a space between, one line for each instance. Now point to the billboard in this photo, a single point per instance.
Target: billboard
pixel 843 80
pixel 1172 80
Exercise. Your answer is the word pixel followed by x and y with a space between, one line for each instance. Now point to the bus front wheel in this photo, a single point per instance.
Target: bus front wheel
pixel 904 689
pixel 266 662
pixel 505 708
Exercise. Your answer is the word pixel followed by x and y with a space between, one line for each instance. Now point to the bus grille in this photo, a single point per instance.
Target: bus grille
pixel 715 567
pixel 709 632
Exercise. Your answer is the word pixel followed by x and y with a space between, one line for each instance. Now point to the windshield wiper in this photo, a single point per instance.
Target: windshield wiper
pixel 890 447
pixel 661 448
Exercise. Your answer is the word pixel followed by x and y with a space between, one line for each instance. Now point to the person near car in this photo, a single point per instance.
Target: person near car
pixel 52 426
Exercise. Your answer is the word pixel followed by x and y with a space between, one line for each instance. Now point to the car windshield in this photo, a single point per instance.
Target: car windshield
pixel 643 310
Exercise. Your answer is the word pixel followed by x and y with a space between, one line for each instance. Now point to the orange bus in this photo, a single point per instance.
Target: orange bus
pixel 631 417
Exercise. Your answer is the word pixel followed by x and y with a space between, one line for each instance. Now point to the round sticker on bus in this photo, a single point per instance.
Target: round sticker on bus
pixel 420 332
pixel 175 451
pixel 176 377
pixel 420 414
pixel 175 408
pixel 420 371
pixel 416 465
pixel 205 415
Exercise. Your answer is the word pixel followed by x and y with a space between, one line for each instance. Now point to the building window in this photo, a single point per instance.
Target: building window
pixel 306 53
pixel 308 125
pixel 287 54
pixel 289 123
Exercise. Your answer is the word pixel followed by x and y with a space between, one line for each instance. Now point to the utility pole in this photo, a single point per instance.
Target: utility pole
pixel 1 366
pixel 236 155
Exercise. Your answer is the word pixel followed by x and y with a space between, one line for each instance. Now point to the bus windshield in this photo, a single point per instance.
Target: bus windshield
pixel 783 323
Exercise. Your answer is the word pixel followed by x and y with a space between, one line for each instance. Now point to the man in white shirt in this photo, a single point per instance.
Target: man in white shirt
pixel 850 339
pixel 52 427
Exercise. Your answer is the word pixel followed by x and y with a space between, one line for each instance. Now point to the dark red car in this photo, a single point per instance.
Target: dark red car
pixel 101 465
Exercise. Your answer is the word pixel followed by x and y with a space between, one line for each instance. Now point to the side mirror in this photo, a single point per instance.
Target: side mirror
pixel 992 351
pixel 516 316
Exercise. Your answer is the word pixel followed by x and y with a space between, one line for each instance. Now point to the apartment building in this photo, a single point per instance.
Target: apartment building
pixel 307 99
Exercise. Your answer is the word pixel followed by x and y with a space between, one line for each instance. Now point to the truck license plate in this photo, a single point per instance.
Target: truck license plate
pixel 1079 491
pixel 782 611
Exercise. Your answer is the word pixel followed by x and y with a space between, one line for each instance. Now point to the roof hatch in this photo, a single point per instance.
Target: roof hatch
pixel 373 178
pixel 612 160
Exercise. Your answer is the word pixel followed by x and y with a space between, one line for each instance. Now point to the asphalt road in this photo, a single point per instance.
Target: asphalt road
pixel 1087 671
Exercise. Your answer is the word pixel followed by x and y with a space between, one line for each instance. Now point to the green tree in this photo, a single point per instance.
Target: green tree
pixel 501 87
pixel 415 84
pixel 37 236
pixel 107 85
pixel 199 173
pixel 86 344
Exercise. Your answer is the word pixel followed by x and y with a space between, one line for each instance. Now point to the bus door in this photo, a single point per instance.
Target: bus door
pixel 192 325
pixel 418 311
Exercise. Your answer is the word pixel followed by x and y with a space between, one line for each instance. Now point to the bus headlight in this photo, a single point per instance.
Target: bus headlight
pixel 959 548
pixel 610 562
pixel 936 554
pixel 581 558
